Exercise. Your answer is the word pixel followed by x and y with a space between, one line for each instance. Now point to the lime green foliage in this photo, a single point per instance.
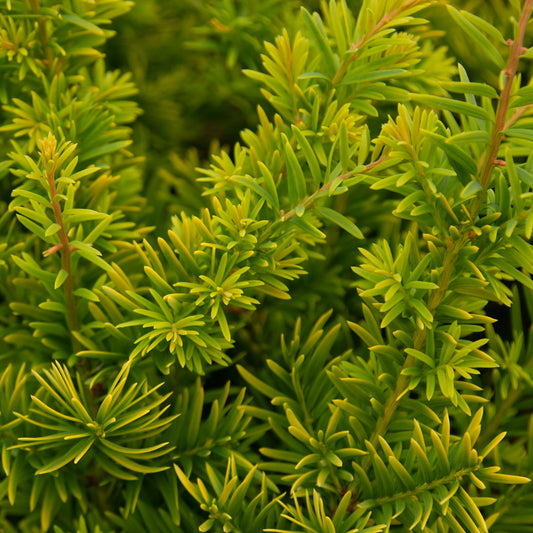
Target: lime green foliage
pixel 326 327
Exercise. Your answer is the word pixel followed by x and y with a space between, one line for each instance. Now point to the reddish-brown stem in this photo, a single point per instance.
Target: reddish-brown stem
pixel 491 154
pixel 309 200
pixel 43 34
pixel 66 252
pixel 356 47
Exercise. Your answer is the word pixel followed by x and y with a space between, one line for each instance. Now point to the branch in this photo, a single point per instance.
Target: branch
pixel 386 19
pixel 43 33
pixel 309 200
pixel 48 147
pixel 451 253
pixel 491 153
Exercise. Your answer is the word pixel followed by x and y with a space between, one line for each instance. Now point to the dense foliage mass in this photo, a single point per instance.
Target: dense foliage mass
pixel 321 325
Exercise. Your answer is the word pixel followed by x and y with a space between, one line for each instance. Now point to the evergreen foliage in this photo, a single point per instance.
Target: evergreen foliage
pixel 327 327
